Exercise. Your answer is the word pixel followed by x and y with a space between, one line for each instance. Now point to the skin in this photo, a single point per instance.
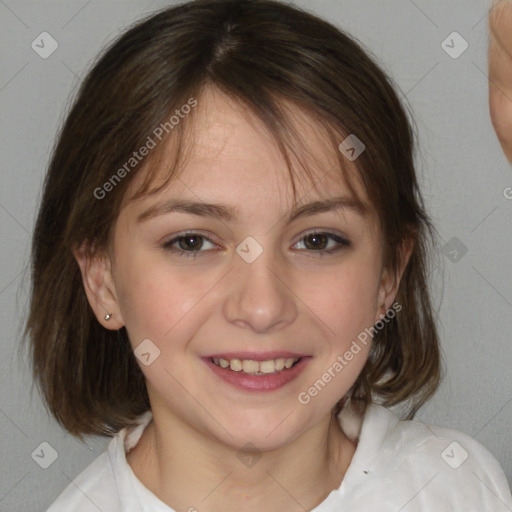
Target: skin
pixel 289 298
pixel 500 72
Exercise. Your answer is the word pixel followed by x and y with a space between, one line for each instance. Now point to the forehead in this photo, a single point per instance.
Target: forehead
pixel 229 152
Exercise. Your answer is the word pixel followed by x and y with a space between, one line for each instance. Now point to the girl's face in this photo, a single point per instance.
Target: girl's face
pixel 249 286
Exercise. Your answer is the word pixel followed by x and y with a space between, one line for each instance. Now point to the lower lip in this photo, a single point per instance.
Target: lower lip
pixel 268 382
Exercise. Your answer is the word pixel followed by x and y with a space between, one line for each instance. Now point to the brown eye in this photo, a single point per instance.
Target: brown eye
pixel 316 241
pixel 193 242
pixel 188 244
pixel 319 242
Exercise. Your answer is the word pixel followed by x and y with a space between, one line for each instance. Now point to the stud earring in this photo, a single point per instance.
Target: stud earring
pixel 108 316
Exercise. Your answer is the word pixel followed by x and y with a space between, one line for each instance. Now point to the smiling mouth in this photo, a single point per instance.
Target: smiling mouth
pixel 252 367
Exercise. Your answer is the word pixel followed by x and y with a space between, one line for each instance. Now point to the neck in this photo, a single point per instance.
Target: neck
pixel 189 471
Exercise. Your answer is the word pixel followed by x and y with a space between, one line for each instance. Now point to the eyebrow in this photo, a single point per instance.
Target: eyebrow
pixel 229 213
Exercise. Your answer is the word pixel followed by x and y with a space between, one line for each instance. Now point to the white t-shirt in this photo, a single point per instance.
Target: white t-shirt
pixel 398 465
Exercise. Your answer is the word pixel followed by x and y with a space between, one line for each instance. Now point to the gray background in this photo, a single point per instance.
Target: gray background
pixel 463 171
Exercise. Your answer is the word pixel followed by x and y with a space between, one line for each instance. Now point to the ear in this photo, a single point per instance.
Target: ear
pixel 390 281
pixel 99 286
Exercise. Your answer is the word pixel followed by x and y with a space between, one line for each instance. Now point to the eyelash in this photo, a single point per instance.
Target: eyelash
pixel 342 243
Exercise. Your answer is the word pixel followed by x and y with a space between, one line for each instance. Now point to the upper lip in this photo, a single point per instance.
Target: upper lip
pixel 256 356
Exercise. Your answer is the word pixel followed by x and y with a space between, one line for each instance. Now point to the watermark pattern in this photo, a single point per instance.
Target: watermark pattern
pixel 137 156
pixel 351 147
pixel 304 397
pixel 249 455
pixel 454 45
pixel 44 45
pixel 45 455
pixel 249 249
pixel 146 352
pixel 454 250
pixel 454 455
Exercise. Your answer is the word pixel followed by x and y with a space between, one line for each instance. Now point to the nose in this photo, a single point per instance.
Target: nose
pixel 260 296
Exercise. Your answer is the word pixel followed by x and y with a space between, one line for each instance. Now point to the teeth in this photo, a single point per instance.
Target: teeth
pixel 267 367
pixel 236 365
pixel 256 367
pixel 251 366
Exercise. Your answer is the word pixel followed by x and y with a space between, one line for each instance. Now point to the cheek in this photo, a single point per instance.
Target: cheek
pixel 345 299
pixel 346 303
pixel 156 298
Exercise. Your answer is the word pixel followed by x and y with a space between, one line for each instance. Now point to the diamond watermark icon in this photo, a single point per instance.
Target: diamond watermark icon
pixel 146 352
pixel 351 147
pixel 45 455
pixel 249 249
pixel 249 455
pixel 454 45
pixel 454 250
pixel 454 455
pixel 44 45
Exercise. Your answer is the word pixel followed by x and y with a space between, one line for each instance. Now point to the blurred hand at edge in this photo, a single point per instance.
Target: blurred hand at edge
pixel 500 72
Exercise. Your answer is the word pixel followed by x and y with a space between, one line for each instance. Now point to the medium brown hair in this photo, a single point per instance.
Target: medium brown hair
pixel 263 53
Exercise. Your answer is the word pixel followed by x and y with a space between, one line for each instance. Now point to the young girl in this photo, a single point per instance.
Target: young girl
pixel 230 278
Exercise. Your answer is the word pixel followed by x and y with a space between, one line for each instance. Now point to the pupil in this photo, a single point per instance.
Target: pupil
pixel 317 237
pixel 192 242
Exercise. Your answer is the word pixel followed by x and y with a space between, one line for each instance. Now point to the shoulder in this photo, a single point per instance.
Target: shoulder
pixel 439 447
pixel 108 483
pixel 95 488
pixel 429 467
